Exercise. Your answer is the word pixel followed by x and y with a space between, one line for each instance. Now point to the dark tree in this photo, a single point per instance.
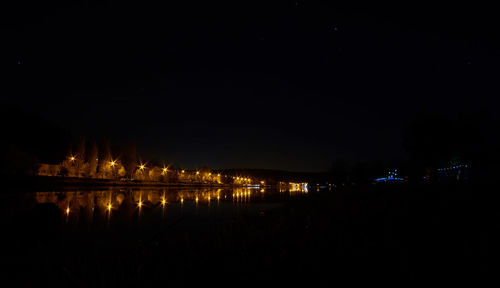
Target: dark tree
pixel 129 159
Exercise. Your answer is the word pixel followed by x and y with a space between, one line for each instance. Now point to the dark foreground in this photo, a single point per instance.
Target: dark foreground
pixel 393 234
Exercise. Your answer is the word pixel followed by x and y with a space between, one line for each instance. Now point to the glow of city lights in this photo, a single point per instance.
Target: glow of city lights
pixel 218 175
pixel 209 174
pixel 182 171
pixel 197 172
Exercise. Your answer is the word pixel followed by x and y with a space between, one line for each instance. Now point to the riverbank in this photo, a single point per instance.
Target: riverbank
pixel 46 183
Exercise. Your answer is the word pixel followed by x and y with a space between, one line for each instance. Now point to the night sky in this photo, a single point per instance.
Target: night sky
pixel 290 85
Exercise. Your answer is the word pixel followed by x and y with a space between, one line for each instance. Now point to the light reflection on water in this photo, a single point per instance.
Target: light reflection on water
pixel 77 205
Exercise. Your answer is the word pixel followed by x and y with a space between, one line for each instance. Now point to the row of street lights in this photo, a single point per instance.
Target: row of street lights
pixel 142 167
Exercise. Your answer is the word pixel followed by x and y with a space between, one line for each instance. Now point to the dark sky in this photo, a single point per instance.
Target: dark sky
pixel 289 85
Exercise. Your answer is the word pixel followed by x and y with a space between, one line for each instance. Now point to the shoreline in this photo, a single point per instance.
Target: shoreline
pixel 51 182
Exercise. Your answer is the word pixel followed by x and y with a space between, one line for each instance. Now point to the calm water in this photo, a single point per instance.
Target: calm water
pixel 89 209
pixel 122 237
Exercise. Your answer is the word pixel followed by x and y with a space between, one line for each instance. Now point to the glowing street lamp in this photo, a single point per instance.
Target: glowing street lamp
pixel 112 163
pixel 142 166
pixel 72 158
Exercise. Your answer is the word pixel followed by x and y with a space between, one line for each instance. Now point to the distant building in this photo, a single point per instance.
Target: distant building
pixel 392 177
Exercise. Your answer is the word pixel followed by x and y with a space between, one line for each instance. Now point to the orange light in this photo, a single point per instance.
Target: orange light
pixel 165 170
pixel 109 206
pixel 182 171
pixel 67 210
pixel 112 163
pixel 139 204
pixel 164 201
pixel 72 158
pixel 142 167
